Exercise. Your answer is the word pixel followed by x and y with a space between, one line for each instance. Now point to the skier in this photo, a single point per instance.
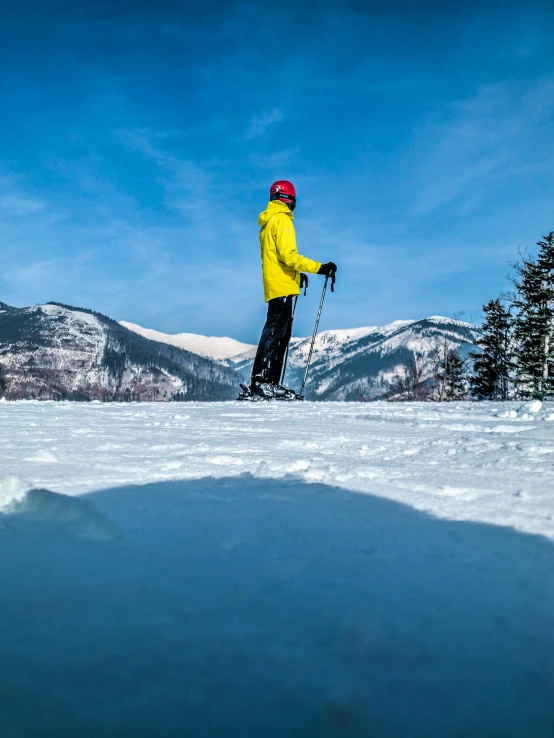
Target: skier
pixel 281 269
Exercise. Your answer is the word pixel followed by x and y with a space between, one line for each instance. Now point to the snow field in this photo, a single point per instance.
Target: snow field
pixel 486 462
pixel 211 570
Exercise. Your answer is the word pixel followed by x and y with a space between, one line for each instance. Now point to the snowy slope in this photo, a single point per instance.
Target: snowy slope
pixel 333 570
pixel 359 363
pixel 212 347
pixel 56 351
pixel 481 461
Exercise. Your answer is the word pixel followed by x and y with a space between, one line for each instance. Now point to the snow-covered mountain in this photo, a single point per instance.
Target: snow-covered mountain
pixel 212 347
pixel 348 364
pixel 55 351
pixel 359 363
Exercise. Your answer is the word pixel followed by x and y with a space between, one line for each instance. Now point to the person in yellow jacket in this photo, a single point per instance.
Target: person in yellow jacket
pixel 282 266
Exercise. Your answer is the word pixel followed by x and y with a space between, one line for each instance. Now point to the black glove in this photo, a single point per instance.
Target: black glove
pixel 303 281
pixel 327 269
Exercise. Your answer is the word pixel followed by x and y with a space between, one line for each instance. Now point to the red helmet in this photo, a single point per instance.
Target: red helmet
pixel 284 191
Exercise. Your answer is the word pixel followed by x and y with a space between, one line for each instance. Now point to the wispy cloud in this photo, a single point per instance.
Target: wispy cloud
pixel 260 123
pixel 17 205
pixel 484 142
pixel 186 183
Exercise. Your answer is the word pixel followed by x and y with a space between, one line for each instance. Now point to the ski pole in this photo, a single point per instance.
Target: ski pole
pixel 304 286
pixel 315 330
pixel 288 344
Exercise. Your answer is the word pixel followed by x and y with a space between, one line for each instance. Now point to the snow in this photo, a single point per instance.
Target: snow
pixel 346 335
pixel 534 406
pixel 411 453
pixel 451 321
pixel 315 569
pixel 13 491
pixel 211 347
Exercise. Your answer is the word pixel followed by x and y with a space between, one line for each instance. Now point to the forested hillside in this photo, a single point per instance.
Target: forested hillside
pixel 56 351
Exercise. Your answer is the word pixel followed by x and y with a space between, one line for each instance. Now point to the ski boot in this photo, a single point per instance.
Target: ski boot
pixel 270 391
pixel 246 394
pixel 260 391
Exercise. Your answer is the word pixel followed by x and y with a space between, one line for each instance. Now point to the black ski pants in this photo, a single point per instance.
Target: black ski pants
pixel 270 356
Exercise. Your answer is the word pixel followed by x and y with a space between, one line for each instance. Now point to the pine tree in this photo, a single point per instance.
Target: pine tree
pixel 534 323
pixel 491 366
pixel 452 376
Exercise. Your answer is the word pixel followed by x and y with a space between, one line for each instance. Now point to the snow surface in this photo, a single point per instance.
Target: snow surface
pixel 487 462
pixel 211 347
pixel 213 570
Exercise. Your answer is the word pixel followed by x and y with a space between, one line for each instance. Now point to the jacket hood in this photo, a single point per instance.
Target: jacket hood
pixel 274 207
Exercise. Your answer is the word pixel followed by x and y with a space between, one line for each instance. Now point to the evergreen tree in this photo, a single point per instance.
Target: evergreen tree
pixel 452 376
pixel 491 366
pixel 534 322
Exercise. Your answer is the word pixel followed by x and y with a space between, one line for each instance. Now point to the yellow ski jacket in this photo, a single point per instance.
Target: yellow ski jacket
pixel 281 262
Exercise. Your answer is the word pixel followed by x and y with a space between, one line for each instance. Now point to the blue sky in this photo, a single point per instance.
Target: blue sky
pixel 138 141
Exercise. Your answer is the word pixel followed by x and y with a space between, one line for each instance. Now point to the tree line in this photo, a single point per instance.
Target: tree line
pixel 517 349
pixel 515 356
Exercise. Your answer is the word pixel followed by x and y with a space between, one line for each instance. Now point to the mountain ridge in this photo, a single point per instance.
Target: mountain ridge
pixel 360 363
pixel 212 347
pixel 348 367
pixel 57 351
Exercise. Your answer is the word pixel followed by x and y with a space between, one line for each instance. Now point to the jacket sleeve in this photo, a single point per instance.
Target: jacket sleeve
pixel 285 242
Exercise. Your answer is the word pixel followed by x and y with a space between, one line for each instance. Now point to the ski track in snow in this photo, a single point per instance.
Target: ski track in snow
pixel 486 462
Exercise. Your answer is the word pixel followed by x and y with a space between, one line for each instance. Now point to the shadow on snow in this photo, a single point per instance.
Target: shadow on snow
pixel 269 608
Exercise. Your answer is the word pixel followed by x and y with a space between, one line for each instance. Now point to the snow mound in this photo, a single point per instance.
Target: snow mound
pixel 12 493
pixel 211 347
pixel 534 406
pixel 22 506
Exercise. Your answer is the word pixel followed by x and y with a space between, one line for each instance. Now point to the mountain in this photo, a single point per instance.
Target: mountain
pixel 211 347
pixel 358 364
pixel 56 351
